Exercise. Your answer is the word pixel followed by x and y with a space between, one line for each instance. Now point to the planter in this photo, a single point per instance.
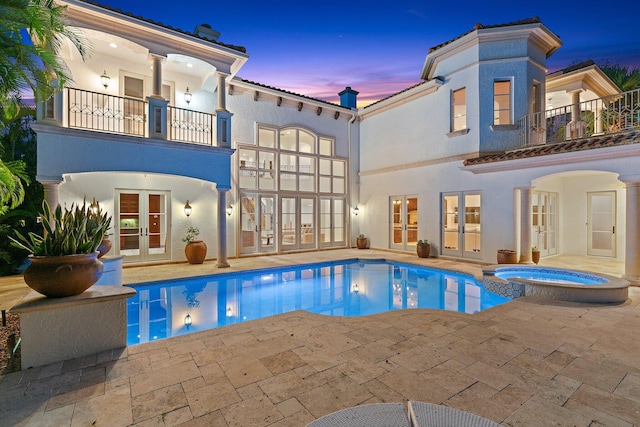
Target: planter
pixel 361 243
pixel 535 257
pixel 63 276
pixel 506 256
pixel 104 247
pixel 423 250
pixel 196 252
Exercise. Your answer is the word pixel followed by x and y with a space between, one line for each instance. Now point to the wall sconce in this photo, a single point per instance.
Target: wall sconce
pixel 355 288
pixel 187 209
pixel 229 209
pixel 94 207
pixel 356 211
pixel 229 312
pixel 188 321
pixel 105 79
pixel 187 96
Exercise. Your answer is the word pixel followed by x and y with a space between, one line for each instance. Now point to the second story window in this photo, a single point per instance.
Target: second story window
pixel 459 109
pixel 502 102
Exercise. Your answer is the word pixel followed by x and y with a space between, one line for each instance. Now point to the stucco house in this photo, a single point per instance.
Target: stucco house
pixel 488 152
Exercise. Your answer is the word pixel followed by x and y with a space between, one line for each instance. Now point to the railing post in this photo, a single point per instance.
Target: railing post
pixel 157 117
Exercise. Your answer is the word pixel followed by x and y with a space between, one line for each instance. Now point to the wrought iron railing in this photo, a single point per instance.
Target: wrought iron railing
pixel 106 113
pixel 190 126
pixel 600 116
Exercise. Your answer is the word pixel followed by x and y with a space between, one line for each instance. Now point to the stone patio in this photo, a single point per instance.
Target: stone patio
pixel 528 362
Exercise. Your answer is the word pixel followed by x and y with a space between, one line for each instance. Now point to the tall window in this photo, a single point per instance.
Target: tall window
pixel 459 109
pixel 502 102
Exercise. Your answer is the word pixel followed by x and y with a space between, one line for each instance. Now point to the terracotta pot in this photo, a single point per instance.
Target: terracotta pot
pixel 104 247
pixel 423 250
pixel 535 256
pixel 196 252
pixel 361 243
pixel 63 276
pixel 506 256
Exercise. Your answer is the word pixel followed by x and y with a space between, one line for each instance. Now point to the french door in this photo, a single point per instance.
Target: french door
pixel 601 223
pixel 257 217
pixel 297 222
pixel 404 222
pixel 544 220
pixel 143 225
pixel 461 225
pixel 332 222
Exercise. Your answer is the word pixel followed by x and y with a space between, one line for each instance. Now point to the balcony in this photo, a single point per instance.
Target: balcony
pixel 600 116
pixel 128 116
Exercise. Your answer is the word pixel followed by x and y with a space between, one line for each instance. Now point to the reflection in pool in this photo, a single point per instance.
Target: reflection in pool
pixel 346 288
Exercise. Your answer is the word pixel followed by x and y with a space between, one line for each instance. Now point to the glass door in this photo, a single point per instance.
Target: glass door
pixel 404 222
pixel 267 242
pixel 332 222
pixel 543 222
pixel 288 224
pixel 461 225
pixel 257 216
pixel 601 225
pixel 249 225
pixel 143 225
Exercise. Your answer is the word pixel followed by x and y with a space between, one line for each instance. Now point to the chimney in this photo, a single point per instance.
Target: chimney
pixel 206 32
pixel 348 98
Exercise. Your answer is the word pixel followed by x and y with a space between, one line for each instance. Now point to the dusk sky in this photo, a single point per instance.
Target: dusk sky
pixel 378 48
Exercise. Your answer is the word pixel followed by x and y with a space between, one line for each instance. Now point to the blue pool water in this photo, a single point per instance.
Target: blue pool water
pixel 346 288
pixel 550 276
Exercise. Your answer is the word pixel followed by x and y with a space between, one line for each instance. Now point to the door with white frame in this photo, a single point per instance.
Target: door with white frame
pixel 404 222
pixel 544 222
pixel 142 225
pixel 332 230
pixel 297 223
pixel 601 223
pixel 461 224
pixel 257 218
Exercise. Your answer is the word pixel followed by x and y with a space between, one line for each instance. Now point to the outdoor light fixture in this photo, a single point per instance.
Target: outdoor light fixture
pixel 188 321
pixel 356 211
pixel 105 79
pixel 187 96
pixel 355 288
pixel 94 207
pixel 229 209
pixel 229 312
pixel 187 209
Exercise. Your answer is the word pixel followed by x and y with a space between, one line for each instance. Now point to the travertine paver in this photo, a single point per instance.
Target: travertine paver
pixel 525 363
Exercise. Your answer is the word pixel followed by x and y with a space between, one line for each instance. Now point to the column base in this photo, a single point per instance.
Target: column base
pixel 223 264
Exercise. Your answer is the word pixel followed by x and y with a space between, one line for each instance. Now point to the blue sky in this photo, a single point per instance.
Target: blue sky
pixel 378 48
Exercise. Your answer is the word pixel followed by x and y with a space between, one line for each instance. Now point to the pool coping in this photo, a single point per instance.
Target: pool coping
pixel 613 291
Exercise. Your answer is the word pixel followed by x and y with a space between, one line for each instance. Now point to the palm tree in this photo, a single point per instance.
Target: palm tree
pixel 31 35
pixel 624 77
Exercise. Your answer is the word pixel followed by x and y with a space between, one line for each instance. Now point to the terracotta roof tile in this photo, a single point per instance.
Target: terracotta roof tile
pixel 291 93
pixel 591 143
pixel 168 27
pixel 479 26
pixel 575 67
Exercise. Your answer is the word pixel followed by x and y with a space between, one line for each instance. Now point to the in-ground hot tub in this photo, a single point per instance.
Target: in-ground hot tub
pixel 555 283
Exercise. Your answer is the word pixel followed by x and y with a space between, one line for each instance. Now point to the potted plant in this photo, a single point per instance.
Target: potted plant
pixel 64 260
pixel 535 255
pixel 103 220
pixel 361 242
pixel 195 250
pixel 423 248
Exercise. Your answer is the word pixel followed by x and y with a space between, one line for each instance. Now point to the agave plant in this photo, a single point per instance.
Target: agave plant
pixel 65 233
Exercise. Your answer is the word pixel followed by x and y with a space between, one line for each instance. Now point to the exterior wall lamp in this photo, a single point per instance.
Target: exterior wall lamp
pixel 187 96
pixel 187 209
pixel 229 209
pixel 105 79
pixel 356 211
pixel 94 207
pixel 188 321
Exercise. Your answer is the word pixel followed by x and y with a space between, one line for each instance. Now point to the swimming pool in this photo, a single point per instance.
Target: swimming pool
pixel 345 288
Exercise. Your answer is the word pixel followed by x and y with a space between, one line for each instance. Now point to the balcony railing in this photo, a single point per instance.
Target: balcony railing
pixel 600 116
pixel 190 126
pixel 128 116
pixel 106 113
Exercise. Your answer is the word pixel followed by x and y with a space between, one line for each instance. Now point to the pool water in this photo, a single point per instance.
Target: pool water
pixel 347 288
pixel 550 277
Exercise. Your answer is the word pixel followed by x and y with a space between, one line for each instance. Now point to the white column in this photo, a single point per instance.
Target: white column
pixel 222 228
pixel 51 193
pixel 632 241
pixel 525 225
pixel 223 116
pixel 222 101
pixel 156 87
